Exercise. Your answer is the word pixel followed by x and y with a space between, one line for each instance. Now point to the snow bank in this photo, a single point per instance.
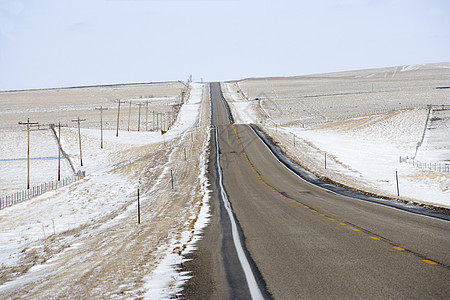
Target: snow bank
pixel 370 148
pixel 243 110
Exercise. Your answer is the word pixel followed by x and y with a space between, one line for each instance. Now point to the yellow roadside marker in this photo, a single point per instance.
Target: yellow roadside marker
pixel 374 238
pixel 354 229
pixel 331 219
pixel 398 248
pixel 343 224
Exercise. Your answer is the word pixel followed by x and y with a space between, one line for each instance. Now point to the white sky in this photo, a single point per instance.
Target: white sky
pixel 87 42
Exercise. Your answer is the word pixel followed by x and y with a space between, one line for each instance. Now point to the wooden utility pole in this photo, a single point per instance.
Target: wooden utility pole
pixel 164 120
pixel 146 118
pixel 118 114
pixel 28 150
pixel 59 150
pixel 129 116
pixel 101 124
pixel 78 120
pixel 139 119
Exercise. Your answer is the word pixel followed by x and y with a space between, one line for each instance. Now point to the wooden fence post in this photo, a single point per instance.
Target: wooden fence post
pixel 396 178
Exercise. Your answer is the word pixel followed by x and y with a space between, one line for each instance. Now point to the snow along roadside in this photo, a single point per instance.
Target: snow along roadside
pixel 88 232
pixel 166 280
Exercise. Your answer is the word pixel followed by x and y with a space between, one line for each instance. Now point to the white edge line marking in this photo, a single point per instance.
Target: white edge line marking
pixel 379 204
pixel 253 287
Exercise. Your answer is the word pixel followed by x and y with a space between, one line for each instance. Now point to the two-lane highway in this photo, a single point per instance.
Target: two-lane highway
pixel 306 242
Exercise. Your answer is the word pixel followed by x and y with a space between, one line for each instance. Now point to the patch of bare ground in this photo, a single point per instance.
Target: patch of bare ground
pixel 443 179
pixel 353 123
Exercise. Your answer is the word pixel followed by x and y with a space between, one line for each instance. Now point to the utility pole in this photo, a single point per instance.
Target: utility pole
pixel 101 109
pixel 129 116
pixel 164 121
pixel 59 150
pixel 118 114
pixel 78 120
pixel 172 115
pixel 146 118
pixel 139 119
pixel 28 150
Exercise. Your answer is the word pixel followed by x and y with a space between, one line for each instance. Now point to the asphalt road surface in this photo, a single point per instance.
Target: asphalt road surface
pixel 305 242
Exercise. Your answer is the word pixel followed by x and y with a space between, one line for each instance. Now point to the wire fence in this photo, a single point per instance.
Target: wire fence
pixel 345 116
pixel 436 167
pixel 38 190
pixel 314 121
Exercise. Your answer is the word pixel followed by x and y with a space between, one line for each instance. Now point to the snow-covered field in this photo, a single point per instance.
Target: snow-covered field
pixel 64 105
pixel 83 240
pixel 43 159
pixel 363 120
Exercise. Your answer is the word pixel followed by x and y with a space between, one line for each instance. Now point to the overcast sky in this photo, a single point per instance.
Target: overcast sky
pixel 87 42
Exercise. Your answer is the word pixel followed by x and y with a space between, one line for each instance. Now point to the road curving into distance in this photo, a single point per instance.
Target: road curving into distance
pixel 303 241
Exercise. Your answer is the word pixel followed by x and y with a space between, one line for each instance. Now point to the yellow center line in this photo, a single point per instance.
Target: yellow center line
pixel 298 203
pixel 305 206
pixel 429 262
